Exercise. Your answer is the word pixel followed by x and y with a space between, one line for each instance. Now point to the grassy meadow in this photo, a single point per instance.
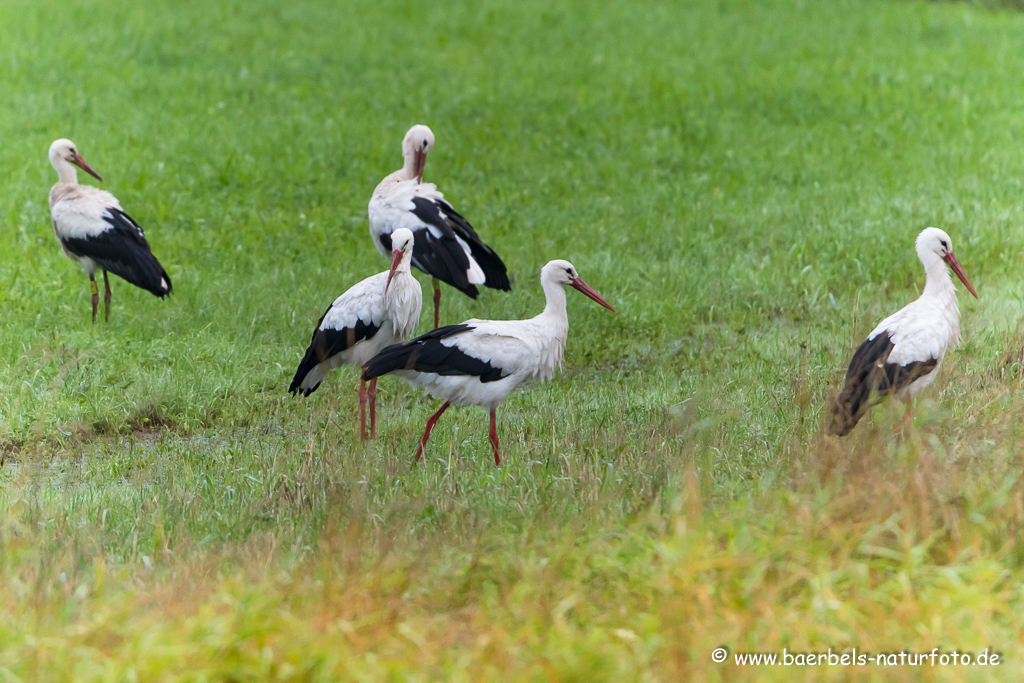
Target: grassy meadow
pixel 742 180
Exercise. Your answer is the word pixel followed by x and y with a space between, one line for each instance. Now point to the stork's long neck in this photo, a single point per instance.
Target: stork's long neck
pixel 67 173
pixel 940 294
pixel 555 319
pixel 404 297
pixel 937 283
pixel 552 328
pixel 555 306
pixel 403 268
pixel 408 171
pixel 405 265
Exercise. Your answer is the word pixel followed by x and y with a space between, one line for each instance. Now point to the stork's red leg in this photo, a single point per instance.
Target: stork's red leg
pixel 494 437
pixel 362 410
pixel 426 432
pixel 106 298
pixel 372 393
pixel 95 296
pixel 437 302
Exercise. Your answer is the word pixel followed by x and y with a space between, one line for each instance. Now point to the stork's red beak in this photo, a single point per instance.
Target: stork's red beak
pixel 419 162
pixel 78 161
pixel 955 267
pixel 578 283
pixel 396 258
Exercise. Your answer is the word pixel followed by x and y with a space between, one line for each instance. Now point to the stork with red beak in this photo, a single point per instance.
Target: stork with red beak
pixel 447 246
pixel 903 354
pixel 380 310
pixel 93 230
pixel 479 362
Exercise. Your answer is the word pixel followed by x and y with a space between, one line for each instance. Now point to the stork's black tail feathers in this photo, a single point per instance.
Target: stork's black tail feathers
pixel 493 267
pixel 445 258
pixel 870 379
pixel 123 251
pixel 308 363
pixel 326 343
pixel 415 354
pixel 488 260
pixel 850 406
pixel 143 271
pixel 132 259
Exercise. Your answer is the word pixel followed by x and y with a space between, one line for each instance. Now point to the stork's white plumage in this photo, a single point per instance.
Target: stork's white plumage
pixel 903 354
pixel 94 230
pixel 380 310
pixel 447 246
pixel 479 362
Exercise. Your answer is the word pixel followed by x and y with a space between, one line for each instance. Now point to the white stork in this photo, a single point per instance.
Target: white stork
pixel 902 356
pixel 381 310
pixel 447 246
pixel 479 362
pixel 94 230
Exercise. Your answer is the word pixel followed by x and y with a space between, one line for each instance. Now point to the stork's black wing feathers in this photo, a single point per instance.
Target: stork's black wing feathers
pixel 123 250
pixel 327 343
pixel 870 378
pixel 427 354
pixel 429 211
pixel 444 257
pixel 489 261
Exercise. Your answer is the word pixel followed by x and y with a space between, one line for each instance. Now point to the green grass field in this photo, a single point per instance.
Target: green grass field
pixel 742 180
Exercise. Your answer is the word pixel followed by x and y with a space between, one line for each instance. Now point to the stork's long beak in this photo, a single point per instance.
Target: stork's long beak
pixel 582 286
pixel 419 162
pixel 396 258
pixel 81 163
pixel 955 266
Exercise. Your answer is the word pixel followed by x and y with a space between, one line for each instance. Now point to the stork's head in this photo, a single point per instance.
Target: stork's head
pixel 64 152
pixel 417 144
pixel 932 243
pixel 401 253
pixel 561 272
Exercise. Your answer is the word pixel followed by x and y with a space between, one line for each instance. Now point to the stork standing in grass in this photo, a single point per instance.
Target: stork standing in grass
pixel 93 230
pixel 480 361
pixel 447 246
pixel 902 356
pixel 380 310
